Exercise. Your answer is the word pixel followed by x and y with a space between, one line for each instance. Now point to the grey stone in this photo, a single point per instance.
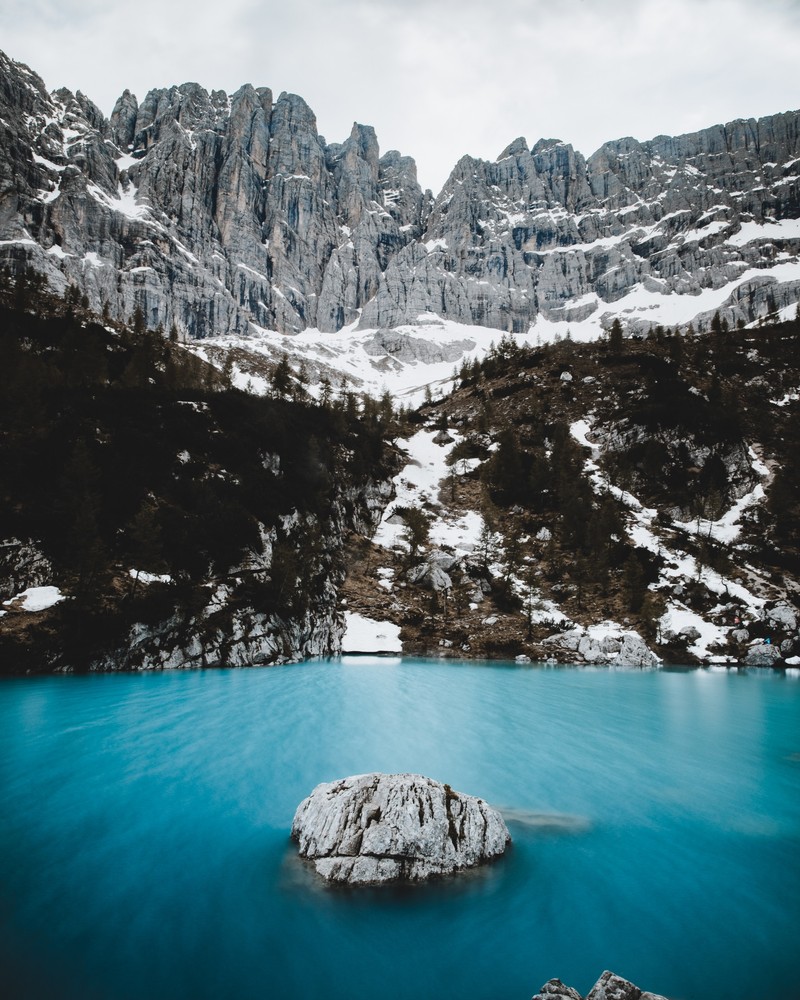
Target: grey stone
pixel 783 615
pixel 608 987
pixel 431 576
pixel 387 827
pixel 624 648
pixel 554 989
pixel 612 987
pixel 762 655
pixel 434 571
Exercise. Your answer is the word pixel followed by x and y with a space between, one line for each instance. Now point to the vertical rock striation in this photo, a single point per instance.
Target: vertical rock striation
pixel 209 212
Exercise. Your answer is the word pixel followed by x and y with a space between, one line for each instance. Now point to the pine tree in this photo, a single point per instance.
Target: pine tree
pixel 531 601
pixel 615 338
pixel 505 474
pixel 634 585
pixel 487 548
pixel 138 322
pixel 80 503
pixel 325 392
pixel 282 377
pixel 144 543
pixel 417 529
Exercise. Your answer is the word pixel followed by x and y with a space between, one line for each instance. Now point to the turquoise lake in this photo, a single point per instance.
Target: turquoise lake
pixel 145 852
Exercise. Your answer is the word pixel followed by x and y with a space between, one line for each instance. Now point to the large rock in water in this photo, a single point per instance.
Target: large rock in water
pixel 389 827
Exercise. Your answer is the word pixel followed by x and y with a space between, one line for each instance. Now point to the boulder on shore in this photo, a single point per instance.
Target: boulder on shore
pixel 395 827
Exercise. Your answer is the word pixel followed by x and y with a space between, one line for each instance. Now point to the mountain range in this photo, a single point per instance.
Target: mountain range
pixel 219 214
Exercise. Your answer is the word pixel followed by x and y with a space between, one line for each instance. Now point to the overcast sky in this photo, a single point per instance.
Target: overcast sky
pixel 436 78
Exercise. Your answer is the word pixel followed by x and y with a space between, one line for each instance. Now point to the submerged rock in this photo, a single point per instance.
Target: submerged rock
pixel 390 827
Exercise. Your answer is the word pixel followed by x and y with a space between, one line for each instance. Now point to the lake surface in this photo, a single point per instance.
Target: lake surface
pixel 144 837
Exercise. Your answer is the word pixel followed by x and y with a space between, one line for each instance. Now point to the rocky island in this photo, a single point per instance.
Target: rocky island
pixel 374 828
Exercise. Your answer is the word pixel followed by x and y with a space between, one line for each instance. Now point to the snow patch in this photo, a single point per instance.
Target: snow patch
pixel 679 620
pixel 366 635
pixel 770 229
pixel 35 599
pixel 143 577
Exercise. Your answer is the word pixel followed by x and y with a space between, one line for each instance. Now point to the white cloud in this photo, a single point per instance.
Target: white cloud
pixel 438 78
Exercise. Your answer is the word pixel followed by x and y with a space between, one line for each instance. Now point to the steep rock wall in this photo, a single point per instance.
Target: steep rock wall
pixel 218 213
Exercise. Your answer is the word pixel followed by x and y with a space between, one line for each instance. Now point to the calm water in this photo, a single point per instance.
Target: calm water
pixel 144 845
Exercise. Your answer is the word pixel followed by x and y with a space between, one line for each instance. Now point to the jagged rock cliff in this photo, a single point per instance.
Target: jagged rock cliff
pixel 222 213
pixel 207 211
pixel 543 231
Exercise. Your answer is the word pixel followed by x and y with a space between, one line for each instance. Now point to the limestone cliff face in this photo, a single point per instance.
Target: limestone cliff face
pixel 543 231
pixel 222 213
pixel 230 632
pixel 207 211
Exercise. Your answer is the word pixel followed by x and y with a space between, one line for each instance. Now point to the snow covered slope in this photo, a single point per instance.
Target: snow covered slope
pixel 582 505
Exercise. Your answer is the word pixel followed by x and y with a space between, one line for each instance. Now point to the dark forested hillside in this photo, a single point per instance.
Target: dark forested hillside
pixel 634 498
pixel 123 452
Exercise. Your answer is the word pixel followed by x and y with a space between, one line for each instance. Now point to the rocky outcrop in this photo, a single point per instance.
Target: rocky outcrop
pixel 387 827
pixel 603 643
pixel 226 637
pixel 762 655
pixel 783 616
pixel 211 213
pixel 231 632
pixel 218 213
pixel 434 572
pixel 608 987
pixel 543 231
pixel 23 565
